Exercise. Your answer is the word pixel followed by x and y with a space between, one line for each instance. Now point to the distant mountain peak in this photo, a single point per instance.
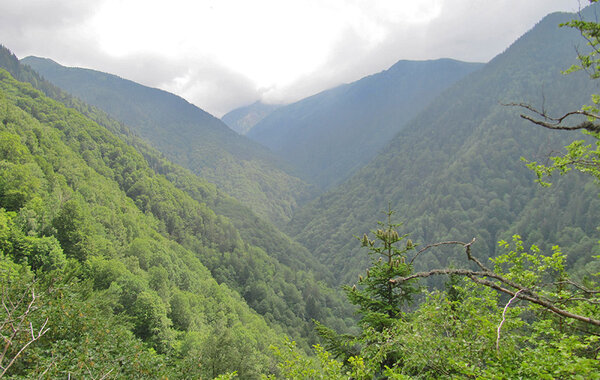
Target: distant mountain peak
pixel 242 119
pixel 329 135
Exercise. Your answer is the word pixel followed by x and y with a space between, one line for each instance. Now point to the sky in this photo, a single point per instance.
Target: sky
pixel 223 54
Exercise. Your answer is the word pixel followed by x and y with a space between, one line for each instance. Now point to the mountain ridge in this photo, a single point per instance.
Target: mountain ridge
pixel 240 250
pixel 330 134
pixel 454 172
pixel 188 136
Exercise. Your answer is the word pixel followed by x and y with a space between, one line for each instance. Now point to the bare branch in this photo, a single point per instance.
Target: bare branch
pixel 504 319
pixel 534 299
pixel 578 286
pixel 587 125
pixel 473 258
pixel 33 339
pixel 590 301
pixel 106 374
pixel 437 245
pixel 17 322
pixel 502 285
pixel 522 292
pixel 555 122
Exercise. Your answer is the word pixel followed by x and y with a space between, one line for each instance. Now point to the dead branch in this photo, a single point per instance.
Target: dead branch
pixel 503 320
pixel 17 322
pixel 556 122
pixel 578 286
pixel 587 125
pixel 501 284
pixel 440 244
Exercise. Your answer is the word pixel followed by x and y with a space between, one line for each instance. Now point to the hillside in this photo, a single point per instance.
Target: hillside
pixel 243 119
pixel 188 136
pixel 329 135
pixel 66 212
pixel 251 259
pixel 454 172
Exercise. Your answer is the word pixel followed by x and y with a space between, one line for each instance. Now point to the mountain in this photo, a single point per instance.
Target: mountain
pixel 117 182
pixel 329 135
pixel 103 235
pixel 454 171
pixel 243 119
pixel 188 136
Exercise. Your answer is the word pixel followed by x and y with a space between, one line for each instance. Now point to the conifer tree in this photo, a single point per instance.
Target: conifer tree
pixel 379 299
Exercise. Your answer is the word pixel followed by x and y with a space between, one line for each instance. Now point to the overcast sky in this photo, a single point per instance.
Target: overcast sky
pixel 222 54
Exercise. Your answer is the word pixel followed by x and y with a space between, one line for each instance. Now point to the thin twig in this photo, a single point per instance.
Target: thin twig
pixel 18 327
pixel 504 319
pixel 106 374
pixel 436 245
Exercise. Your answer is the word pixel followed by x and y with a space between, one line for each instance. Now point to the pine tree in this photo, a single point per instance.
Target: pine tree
pixel 380 300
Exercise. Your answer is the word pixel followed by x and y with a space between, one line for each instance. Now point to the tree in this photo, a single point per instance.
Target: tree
pixel 72 229
pixel 380 300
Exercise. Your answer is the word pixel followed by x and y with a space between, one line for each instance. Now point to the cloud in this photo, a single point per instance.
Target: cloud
pixel 223 54
pixel 214 87
pixel 28 26
pixel 460 29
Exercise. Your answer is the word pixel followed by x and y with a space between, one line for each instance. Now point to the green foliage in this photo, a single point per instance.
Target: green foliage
pixel 292 365
pixel 454 170
pixel 590 30
pixel 239 249
pixel 380 301
pixel 189 137
pixel 579 155
pixel 529 268
pixel 114 266
pixel 473 331
pixel 83 339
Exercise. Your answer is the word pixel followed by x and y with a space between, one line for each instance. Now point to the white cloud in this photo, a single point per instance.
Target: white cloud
pixel 226 53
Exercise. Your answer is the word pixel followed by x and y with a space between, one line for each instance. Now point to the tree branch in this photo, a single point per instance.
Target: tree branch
pixel 481 277
pixel 504 319
pixel 555 122
pixel 16 324
pixel 587 125
pixel 439 244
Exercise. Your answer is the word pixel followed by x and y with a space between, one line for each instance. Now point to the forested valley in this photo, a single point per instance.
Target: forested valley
pixel 140 237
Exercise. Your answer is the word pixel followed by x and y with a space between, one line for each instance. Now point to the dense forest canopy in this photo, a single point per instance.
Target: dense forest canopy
pixel 190 137
pixel 520 314
pixel 128 224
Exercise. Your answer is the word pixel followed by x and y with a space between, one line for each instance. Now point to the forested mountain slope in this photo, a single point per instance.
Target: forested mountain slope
pixel 329 135
pixel 454 172
pixel 243 119
pixel 188 136
pixel 108 180
pixel 73 205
